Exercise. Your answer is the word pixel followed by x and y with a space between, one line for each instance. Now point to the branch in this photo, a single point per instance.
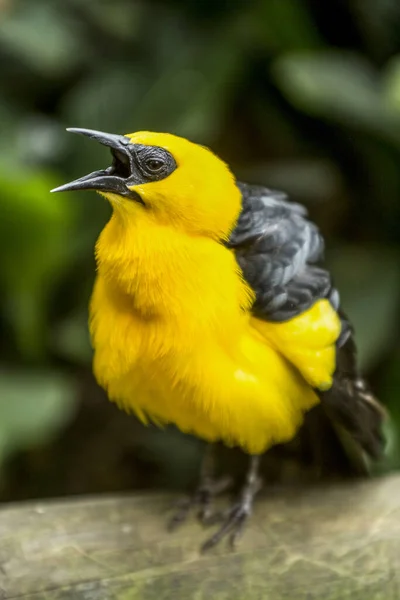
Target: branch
pixel 321 543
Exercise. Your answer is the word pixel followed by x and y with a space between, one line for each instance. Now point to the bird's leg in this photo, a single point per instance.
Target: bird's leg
pixel 207 489
pixel 235 517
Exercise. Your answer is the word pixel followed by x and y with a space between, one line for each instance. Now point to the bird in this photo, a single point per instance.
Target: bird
pixel 212 310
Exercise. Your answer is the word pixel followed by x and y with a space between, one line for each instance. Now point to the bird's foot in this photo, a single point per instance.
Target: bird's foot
pixel 234 519
pixel 201 500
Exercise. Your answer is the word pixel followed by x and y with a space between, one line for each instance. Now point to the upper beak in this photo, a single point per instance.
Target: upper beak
pixel 106 180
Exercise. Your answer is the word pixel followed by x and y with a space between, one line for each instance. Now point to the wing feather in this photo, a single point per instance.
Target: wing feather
pixel 278 250
pixel 276 246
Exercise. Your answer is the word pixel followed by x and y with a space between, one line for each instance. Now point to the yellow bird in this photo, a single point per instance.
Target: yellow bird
pixel 209 311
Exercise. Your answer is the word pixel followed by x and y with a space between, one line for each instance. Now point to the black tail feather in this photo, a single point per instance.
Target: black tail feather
pixel 350 404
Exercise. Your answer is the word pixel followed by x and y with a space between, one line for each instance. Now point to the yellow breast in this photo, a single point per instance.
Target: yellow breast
pixel 174 342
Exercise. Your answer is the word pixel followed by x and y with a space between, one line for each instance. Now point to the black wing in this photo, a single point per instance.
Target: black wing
pixel 277 248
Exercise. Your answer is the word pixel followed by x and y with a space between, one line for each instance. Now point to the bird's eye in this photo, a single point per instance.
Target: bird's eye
pixel 154 164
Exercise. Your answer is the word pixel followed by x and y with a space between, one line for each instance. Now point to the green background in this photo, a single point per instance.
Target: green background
pixel 298 95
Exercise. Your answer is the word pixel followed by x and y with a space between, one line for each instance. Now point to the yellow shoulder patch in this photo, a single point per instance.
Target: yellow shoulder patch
pixel 307 341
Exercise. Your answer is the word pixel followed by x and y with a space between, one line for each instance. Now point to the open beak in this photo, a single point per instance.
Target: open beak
pixel 114 179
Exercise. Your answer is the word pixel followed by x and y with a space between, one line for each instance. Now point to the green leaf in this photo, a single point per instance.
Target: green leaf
pixel 106 99
pixel 187 96
pixel 118 17
pixel 368 280
pixel 391 84
pixel 33 406
pixel 36 228
pixel 338 86
pixel 191 95
pixel 35 33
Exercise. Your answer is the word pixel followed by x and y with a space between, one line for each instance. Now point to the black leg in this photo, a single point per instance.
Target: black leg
pixel 207 489
pixel 235 518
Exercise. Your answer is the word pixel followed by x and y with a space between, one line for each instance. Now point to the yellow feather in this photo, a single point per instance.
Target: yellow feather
pixel 170 321
pixel 308 342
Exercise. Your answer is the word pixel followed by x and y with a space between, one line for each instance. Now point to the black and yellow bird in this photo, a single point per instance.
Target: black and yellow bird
pixel 211 310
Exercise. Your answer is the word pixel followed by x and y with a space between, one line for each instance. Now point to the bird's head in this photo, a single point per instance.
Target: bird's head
pixel 165 178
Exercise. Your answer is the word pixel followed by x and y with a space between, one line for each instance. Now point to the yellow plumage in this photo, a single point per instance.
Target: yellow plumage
pixel 209 312
pixel 171 323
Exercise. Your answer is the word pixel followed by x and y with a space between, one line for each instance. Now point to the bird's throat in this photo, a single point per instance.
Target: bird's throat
pixel 164 271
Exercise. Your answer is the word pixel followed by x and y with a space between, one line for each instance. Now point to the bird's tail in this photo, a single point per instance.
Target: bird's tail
pixel 356 415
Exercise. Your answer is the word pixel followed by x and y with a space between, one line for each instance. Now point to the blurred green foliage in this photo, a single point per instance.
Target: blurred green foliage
pixel 296 94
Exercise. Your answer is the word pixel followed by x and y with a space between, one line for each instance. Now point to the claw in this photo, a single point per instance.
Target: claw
pixel 234 523
pixel 235 518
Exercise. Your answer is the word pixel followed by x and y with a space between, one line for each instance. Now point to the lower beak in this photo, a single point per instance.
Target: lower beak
pixel 98 180
pixel 105 180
